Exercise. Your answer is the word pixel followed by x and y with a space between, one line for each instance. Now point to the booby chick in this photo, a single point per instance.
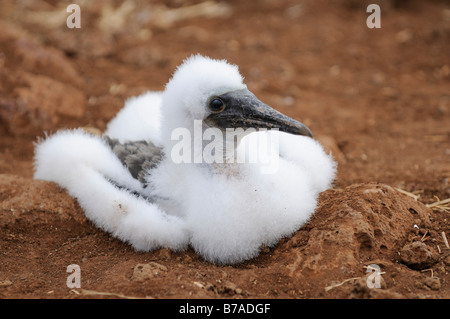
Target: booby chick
pixel 167 174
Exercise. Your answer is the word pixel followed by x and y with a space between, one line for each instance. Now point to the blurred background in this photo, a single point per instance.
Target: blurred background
pixel 379 99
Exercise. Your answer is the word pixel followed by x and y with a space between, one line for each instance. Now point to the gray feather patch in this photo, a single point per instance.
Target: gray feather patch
pixel 138 156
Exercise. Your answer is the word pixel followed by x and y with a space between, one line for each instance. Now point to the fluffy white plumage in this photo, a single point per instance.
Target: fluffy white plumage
pixel 226 212
pixel 140 119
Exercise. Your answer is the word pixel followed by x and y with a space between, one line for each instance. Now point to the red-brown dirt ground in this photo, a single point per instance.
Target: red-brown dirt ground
pixel 379 99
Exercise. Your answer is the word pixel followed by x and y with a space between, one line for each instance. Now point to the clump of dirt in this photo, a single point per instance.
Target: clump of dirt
pixel 417 255
pixel 359 226
pixel 377 98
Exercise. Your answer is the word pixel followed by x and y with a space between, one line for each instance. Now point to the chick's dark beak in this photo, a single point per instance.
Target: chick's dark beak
pixel 243 109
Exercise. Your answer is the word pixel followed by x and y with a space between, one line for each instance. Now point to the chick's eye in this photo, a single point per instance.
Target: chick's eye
pixel 216 105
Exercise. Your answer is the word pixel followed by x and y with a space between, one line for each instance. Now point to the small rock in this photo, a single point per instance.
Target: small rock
pixel 210 287
pixel 5 283
pixel 418 256
pixel 143 272
pixel 199 284
pixel 230 287
pixel 404 36
pixel 165 254
pixel 433 283
pixel 447 260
